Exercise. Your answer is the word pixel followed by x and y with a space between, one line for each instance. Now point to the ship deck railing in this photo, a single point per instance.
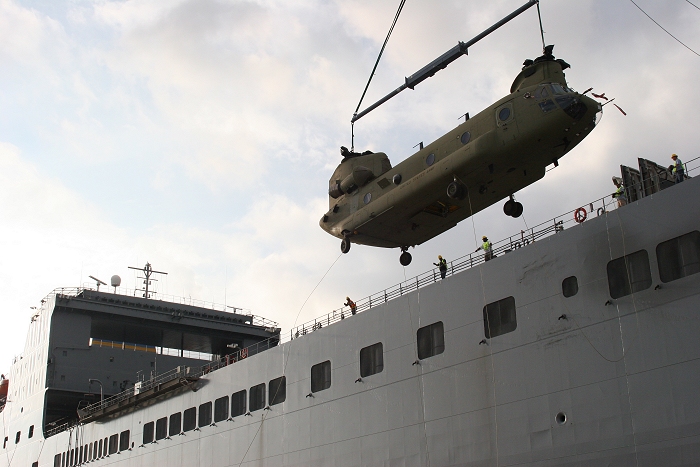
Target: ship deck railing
pixel 507 245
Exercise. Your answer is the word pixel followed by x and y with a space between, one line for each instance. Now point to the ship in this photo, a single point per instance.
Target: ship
pixel 575 343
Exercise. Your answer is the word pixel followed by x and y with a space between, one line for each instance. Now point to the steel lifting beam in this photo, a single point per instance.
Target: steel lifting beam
pixel 442 61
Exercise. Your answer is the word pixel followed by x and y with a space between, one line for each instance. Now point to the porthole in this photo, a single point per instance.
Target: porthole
pixel 396 179
pixel 560 418
pixel 504 114
pixel 430 160
pixel 466 136
pixel 368 198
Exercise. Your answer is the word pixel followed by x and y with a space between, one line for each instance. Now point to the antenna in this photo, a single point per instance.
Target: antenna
pixel 147 271
pixel 99 282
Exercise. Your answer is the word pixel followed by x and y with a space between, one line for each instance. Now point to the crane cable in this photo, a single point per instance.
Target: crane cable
pixel 665 30
pixel 371 75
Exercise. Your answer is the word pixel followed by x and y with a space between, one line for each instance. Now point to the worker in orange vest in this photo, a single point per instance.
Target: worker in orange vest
pixel 351 304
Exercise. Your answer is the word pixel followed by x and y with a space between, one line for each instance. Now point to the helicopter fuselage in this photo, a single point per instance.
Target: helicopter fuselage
pixel 489 157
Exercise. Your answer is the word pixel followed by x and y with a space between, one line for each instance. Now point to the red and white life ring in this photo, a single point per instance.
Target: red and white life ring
pixel 580 215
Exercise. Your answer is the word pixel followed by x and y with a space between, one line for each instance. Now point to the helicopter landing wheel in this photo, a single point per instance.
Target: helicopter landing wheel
pixel 345 245
pixel 517 210
pixel 508 207
pixel 405 258
pixel 456 190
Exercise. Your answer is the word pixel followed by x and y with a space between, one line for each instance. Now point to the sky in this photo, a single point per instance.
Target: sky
pixel 199 135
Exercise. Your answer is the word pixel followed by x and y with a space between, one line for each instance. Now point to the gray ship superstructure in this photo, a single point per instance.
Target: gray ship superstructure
pixel 577 345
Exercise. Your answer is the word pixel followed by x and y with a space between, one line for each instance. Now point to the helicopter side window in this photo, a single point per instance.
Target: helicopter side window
pixel 430 159
pixel 504 114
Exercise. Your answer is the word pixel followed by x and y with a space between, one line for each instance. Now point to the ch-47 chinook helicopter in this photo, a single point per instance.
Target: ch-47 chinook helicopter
pixel 489 157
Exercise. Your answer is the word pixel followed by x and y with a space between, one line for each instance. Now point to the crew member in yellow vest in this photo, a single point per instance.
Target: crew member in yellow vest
pixel 486 246
pixel 677 169
pixel 442 264
pixel 619 194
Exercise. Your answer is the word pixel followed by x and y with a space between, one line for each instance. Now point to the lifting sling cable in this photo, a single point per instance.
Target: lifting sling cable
pixel 371 75
pixel 442 61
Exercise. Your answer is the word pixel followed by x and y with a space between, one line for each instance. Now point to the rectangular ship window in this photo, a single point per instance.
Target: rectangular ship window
pixel 205 414
pixel 499 317
pixel 147 435
pixel 569 286
pixel 113 444
pixel 221 409
pixel 31 432
pixel 629 274
pixel 161 428
pixel 431 340
pixel 175 424
pixel 57 460
pixel 18 436
pixel 238 403
pixel 257 397
pixel 278 390
pixel 321 376
pixel 124 438
pixel 679 257
pixel 372 359
pixel 190 419
pixel 100 448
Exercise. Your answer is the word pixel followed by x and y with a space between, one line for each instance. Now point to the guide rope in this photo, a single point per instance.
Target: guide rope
pixel 286 356
pixel 619 321
pixel 371 75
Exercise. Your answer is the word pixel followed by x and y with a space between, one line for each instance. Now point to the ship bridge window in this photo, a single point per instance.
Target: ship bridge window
pixel 238 403
pixel 629 274
pixel 124 440
pixel 431 340
pixel 321 376
pixel 278 390
pixel 569 286
pixel 205 414
pixel 189 420
pixel 371 360
pixel 175 424
pixel 679 257
pixel 499 317
pixel 113 444
pixel 147 435
pixel 161 428
pixel 257 397
pixel 221 409
pixel 100 445
pixel 57 460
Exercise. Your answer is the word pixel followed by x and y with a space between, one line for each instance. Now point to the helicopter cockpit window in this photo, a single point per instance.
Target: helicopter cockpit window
pixel 466 136
pixel 547 105
pixel 558 89
pixel 541 92
pixel 504 114
pixel 430 160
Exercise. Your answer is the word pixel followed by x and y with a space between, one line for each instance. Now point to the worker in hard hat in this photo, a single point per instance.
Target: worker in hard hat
pixel 351 304
pixel 442 264
pixel 487 247
pixel 677 169
pixel 619 194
